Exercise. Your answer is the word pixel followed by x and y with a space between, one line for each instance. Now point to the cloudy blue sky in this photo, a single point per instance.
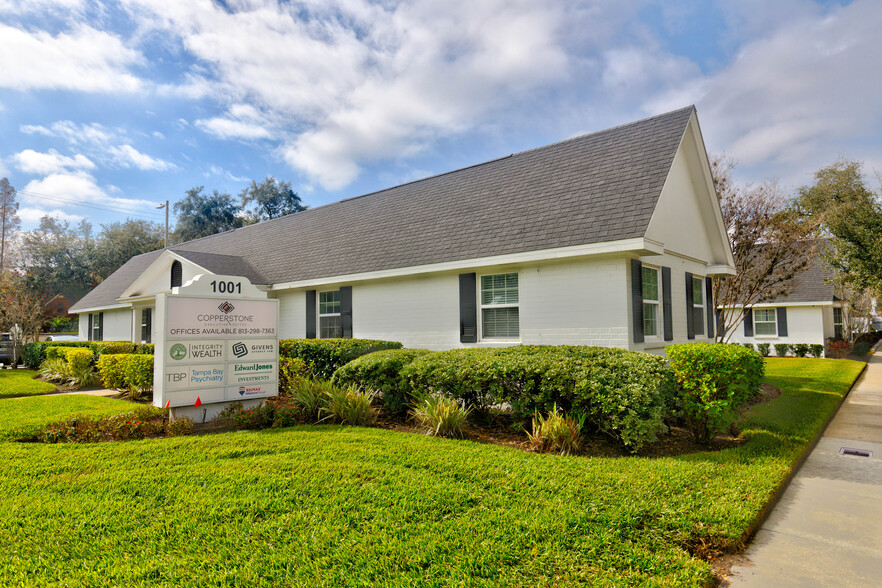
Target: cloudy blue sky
pixel 107 108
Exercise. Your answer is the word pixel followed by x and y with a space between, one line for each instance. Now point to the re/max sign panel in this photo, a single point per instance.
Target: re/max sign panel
pixel 216 318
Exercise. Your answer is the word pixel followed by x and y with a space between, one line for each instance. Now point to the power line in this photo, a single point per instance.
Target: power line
pixel 107 207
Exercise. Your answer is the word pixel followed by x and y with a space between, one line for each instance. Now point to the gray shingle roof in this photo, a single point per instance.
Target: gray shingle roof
pixel 591 189
pixel 812 285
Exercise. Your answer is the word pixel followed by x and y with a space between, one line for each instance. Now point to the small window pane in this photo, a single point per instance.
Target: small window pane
pixel 331 327
pixel 697 297
pixel 500 322
pixel 650 320
pixel 764 314
pixel 765 329
pixel 499 289
pixel 698 320
pixel 650 283
pixel 329 302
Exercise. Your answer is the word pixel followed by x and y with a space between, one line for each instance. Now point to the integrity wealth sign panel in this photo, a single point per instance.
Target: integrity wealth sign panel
pixel 215 349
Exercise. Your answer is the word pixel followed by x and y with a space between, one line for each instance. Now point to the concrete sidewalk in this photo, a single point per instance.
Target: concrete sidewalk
pixel 827 528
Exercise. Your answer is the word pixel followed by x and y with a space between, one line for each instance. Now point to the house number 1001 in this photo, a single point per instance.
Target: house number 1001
pixel 226 287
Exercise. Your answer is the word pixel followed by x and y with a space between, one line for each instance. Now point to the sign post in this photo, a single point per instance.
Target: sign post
pixel 219 344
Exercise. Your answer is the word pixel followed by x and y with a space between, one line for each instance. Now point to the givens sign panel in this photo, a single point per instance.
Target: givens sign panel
pixel 216 348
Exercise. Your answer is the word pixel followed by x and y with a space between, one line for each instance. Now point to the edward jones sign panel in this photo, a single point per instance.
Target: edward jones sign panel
pixel 218 350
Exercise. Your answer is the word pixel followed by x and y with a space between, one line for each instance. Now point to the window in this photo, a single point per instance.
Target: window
pixel 837 323
pixel 146 324
pixel 499 306
pixel 97 330
pixel 651 316
pixel 765 322
pixel 177 274
pixel 330 321
pixel 698 305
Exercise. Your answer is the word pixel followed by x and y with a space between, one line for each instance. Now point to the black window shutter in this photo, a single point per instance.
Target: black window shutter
pixel 748 322
pixel 719 315
pixel 90 327
pixel 709 302
pixel 637 299
pixel 782 321
pixel 310 314
pixel 177 274
pixel 346 311
pixel 101 326
pixel 147 325
pixel 667 306
pixel 468 308
pixel 690 317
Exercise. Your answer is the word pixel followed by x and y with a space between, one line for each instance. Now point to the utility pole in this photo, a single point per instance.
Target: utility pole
pixel 160 207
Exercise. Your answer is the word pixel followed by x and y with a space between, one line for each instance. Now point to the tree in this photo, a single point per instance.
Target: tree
pixel 9 221
pixel 120 241
pixel 271 199
pixel 21 304
pixel 770 244
pixel 851 213
pixel 201 215
pixel 57 257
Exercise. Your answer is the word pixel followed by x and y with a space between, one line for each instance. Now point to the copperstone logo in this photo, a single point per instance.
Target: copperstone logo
pixel 226 308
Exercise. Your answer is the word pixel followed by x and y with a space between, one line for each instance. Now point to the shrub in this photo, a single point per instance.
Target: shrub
pixel 310 396
pixel 816 349
pixel 861 348
pixel 837 348
pixel 284 416
pixel 349 406
pixel 781 349
pixel 32 355
pixel 381 371
pixel 138 373
pixel 290 370
pixel 114 347
pixel 714 381
pixel 258 417
pixel 179 427
pixel 621 393
pixel 441 416
pixel 141 423
pixel 145 349
pixel 764 349
pixel 110 369
pixel 800 349
pixel 78 359
pixel 556 433
pixel 54 369
pixel 747 346
pixel 324 356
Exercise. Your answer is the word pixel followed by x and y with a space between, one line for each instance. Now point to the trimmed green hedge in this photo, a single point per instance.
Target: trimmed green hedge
pixel 621 393
pixel 714 381
pixel 126 371
pixel 34 354
pixel 380 371
pixel 324 356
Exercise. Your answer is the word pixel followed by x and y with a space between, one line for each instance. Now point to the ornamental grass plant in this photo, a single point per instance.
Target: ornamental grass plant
pixel 349 405
pixel 556 433
pixel 441 416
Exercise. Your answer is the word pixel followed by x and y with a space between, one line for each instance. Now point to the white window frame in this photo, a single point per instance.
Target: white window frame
pixel 773 322
pixel 322 315
pixel 482 307
pixel 96 327
pixel 659 326
pixel 840 324
pixel 149 325
pixel 698 325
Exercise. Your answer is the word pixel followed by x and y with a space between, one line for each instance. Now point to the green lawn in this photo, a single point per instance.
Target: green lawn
pixel 22 383
pixel 331 506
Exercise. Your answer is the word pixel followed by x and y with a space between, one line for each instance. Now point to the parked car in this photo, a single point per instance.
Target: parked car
pixel 6 349
pixel 877 323
pixel 62 338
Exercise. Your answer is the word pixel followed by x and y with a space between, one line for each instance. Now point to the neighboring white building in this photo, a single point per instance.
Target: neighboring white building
pixel 606 239
pixel 811 313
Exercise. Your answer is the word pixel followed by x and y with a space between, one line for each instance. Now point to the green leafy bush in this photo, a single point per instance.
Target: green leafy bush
pixel 747 346
pixel 80 372
pixel 110 370
pixel 781 349
pixel 310 396
pixel 54 369
pixel 441 416
pixel 621 393
pixel 141 423
pixel 557 433
pixel 349 405
pixel 800 349
pixel 714 381
pixel 324 356
pixel 290 370
pixel 258 417
pixel 764 349
pixel 114 347
pixel 861 348
pixel 145 348
pixel 816 349
pixel 381 371
pixel 179 427
pixel 138 373
pixel 34 354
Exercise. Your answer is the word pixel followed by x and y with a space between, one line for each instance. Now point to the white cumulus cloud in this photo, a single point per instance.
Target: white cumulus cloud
pixel 128 156
pixel 33 162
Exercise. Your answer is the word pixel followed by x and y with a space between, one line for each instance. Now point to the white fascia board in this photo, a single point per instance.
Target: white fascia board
pixel 721 270
pixel 99 308
pixel 638 246
pixel 785 304
pixel 148 273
